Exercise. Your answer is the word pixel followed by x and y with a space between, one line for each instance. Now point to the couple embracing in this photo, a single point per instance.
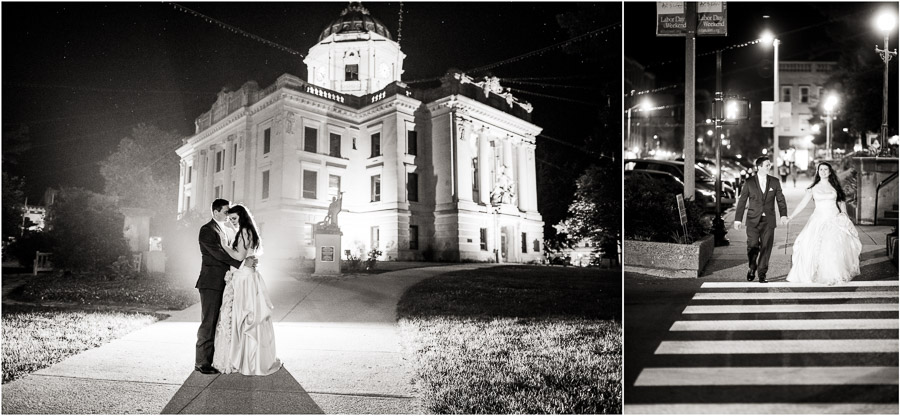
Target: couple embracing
pixel 236 332
pixel 827 249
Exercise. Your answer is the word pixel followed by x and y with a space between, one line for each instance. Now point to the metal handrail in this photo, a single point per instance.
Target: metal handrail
pixel 877 189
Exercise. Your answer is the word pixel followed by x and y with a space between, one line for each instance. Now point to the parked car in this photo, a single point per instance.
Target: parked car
pixel 704 194
pixel 702 178
pixel 730 174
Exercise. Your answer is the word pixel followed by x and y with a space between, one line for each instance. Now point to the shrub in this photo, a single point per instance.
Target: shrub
pixel 651 213
pixel 86 231
pixel 26 247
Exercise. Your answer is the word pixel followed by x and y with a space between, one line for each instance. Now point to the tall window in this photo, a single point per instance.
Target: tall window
pixel 537 246
pixel 309 184
pixel 334 186
pixel 483 235
pixel 413 237
pixel 375 237
pixel 376 144
pixel 412 187
pixel 804 95
pixel 376 188
pixel 351 72
pixel 232 189
pixel 234 155
pixel 334 145
pixel 310 140
pixel 218 191
pixel 524 243
pixel 476 196
pixel 267 140
pixel 219 160
pixel 265 184
pixel 412 142
pixel 190 173
pixel 785 94
pixel 187 203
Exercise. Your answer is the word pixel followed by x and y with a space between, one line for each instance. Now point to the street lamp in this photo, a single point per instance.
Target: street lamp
pixel 829 104
pixel 644 105
pixel 768 38
pixel 885 22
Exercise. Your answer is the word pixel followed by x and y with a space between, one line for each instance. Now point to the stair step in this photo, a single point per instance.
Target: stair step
pixel 888 221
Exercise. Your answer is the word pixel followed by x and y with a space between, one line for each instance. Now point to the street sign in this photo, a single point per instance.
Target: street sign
pixel 681 211
pixel 670 20
pixel 712 18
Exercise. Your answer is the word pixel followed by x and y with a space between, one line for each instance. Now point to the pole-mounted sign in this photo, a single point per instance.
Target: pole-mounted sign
pixel 712 18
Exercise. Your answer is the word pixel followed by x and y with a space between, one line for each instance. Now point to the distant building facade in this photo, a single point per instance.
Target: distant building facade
pixel 443 173
pixel 801 83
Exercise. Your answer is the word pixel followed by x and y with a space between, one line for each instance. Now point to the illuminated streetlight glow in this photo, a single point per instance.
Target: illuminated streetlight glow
pixel 709 132
pixel 830 103
pixel 646 105
pixel 885 21
pixel 816 128
pixel 766 38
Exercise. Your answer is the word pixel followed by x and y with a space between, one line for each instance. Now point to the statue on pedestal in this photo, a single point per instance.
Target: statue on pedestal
pixel 503 192
pixel 331 219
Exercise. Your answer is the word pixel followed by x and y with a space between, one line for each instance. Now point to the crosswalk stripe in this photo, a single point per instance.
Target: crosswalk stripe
pixel 757 285
pixel 794 295
pixel 768 376
pixel 790 346
pixel 762 408
pixel 785 324
pixel 845 307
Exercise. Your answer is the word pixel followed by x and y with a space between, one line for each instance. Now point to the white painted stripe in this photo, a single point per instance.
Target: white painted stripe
pixel 766 376
pixel 843 307
pixel 785 324
pixel 763 408
pixel 794 295
pixel 781 346
pixel 731 285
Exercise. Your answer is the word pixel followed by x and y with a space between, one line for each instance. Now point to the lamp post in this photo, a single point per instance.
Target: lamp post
pixel 767 38
pixel 644 105
pixel 829 104
pixel 885 23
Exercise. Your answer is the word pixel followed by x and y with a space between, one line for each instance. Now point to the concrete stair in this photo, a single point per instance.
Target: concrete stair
pixel 890 216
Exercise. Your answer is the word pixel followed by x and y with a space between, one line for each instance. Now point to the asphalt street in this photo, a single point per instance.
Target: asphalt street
pixel 720 344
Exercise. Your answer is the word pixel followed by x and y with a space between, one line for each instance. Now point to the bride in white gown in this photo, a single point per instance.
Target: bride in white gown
pixel 245 338
pixel 827 249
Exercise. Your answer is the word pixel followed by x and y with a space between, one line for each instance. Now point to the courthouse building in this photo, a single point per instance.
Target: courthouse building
pixel 443 173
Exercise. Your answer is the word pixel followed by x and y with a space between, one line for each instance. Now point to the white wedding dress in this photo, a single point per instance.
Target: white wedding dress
pixel 245 338
pixel 827 249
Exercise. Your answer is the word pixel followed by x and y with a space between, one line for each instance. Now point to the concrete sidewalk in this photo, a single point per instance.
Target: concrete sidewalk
pixel 729 263
pixel 338 339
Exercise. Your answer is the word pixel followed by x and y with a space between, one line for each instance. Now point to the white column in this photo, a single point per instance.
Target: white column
pixel 226 164
pixel 199 187
pixel 181 172
pixel 522 179
pixel 210 173
pixel 532 178
pixel 485 159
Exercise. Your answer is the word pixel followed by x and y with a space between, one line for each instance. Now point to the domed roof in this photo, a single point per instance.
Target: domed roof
pixel 355 19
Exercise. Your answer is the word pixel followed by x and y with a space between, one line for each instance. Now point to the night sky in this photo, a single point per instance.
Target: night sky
pixel 81 75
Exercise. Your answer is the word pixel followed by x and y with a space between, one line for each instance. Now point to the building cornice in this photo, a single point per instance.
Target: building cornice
pixel 484 114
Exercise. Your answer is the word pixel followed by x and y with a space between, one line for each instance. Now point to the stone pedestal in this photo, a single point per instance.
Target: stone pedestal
pixel 328 250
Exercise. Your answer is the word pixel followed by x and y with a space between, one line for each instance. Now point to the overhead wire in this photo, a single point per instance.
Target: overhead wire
pixel 237 30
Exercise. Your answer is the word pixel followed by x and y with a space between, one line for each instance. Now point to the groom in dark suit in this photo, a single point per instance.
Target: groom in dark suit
pixel 215 263
pixel 763 191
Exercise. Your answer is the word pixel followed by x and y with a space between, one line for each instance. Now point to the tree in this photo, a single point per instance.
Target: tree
pixel 85 229
pixel 595 214
pixel 144 170
pixel 13 205
pixel 15 143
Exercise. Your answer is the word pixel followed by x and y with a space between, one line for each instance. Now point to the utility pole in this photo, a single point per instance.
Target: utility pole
pixel 719 230
pixel 690 129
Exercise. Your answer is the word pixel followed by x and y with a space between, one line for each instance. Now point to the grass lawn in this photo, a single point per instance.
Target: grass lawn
pixel 36 338
pixel 151 292
pixel 517 339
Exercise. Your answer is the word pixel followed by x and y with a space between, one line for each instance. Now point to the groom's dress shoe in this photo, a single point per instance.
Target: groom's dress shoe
pixel 751 274
pixel 762 278
pixel 206 369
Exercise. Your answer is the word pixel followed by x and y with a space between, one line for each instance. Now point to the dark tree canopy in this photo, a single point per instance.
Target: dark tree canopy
pixel 86 231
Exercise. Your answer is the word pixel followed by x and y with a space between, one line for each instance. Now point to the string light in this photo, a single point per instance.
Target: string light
pixel 589 35
pixel 541 84
pixel 552 97
pixel 400 25
pixel 237 30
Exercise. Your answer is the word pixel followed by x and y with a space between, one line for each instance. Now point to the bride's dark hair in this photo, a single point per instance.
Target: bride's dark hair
pixel 833 180
pixel 245 221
